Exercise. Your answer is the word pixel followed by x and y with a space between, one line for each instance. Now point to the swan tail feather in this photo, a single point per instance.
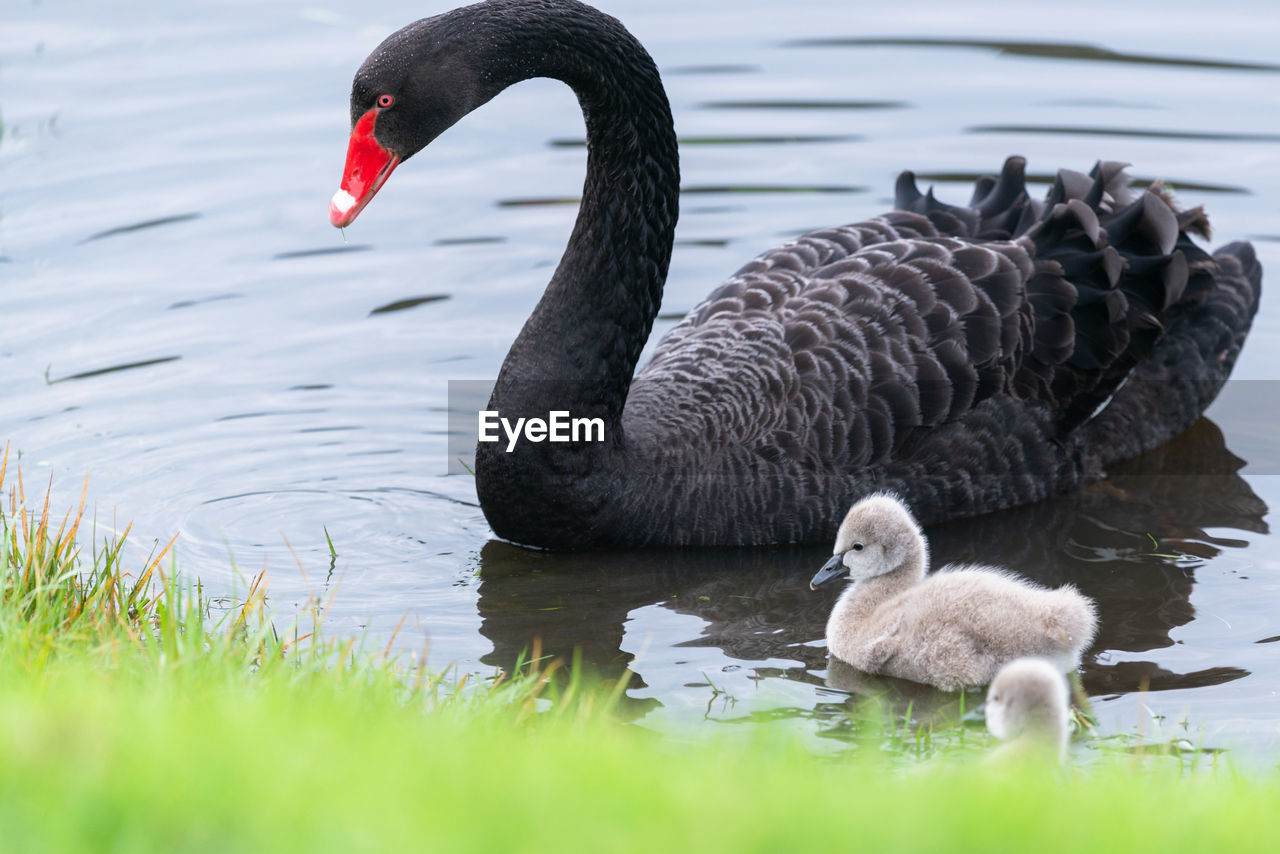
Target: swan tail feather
pixel 956 220
pixel 1190 364
pixel 906 193
pixel 1114 269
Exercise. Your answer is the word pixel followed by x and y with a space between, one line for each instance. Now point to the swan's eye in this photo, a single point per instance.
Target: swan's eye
pixel 857 547
pixel 385 101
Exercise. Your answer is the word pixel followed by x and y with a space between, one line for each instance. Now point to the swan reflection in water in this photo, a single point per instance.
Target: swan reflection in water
pixel 1132 542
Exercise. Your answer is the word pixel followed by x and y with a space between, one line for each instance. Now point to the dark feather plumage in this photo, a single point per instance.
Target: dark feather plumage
pixel 968 358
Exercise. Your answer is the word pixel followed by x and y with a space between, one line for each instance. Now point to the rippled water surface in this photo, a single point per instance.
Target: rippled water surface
pixel 178 318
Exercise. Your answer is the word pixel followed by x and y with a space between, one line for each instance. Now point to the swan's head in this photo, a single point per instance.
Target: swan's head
pixel 416 85
pixel 877 536
pixel 1029 696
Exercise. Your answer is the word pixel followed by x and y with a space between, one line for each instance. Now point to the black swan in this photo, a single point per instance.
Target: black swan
pixel 953 628
pixel 966 358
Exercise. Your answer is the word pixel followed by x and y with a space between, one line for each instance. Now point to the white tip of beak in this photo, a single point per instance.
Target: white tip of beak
pixel 342 201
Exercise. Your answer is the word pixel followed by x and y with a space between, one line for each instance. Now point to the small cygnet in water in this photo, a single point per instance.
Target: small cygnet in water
pixel 950 629
pixel 1027 707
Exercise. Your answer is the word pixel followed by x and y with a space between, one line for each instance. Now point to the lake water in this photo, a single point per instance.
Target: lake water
pixel 178 319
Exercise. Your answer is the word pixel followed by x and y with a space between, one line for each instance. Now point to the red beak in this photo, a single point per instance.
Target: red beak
pixel 369 165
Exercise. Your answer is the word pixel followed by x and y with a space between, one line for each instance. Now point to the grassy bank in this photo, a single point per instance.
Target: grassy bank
pixel 86 764
pixel 129 721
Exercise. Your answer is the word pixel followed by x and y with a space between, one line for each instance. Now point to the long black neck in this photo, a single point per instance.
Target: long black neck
pixel 580 347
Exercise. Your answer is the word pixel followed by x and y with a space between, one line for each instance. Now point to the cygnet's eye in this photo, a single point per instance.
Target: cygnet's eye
pixel 857 547
pixel 385 101
pixel 995 698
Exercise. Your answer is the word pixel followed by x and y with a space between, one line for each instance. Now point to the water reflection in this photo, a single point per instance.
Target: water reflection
pixel 1144 133
pixel 409 302
pixel 141 226
pixel 1128 676
pixel 468 241
pixel 722 68
pixel 804 105
pixel 111 369
pixel 758 603
pixel 188 303
pixel 753 139
pixel 713 189
pixel 326 250
pixel 1133 542
pixel 1042 50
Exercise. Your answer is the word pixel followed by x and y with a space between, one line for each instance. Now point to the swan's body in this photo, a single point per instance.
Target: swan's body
pixel 1027 706
pixel 968 358
pixel 952 629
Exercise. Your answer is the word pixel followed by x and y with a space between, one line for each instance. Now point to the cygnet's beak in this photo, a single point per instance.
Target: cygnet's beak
pixel 830 571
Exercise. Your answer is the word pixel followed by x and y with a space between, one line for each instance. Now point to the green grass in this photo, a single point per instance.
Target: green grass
pixel 193 764
pixel 132 721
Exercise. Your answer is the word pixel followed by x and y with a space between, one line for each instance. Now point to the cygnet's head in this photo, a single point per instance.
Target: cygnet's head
pixel 1029 696
pixel 877 536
